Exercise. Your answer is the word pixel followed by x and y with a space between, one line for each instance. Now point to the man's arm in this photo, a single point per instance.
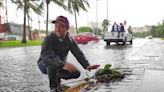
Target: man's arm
pixel 48 56
pixel 81 58
pixel 78 54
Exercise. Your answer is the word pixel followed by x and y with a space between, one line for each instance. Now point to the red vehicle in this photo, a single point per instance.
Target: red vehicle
pixel 85 38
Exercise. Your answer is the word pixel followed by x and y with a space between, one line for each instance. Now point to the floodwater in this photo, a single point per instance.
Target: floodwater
pixel 144 60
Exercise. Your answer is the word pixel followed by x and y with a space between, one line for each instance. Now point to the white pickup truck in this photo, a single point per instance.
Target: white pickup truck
pixel 118 37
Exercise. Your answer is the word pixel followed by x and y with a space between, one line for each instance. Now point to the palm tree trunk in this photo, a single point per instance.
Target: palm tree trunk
pixel 24 25
pixel 30 35
pixel 76 21
pixel 47 18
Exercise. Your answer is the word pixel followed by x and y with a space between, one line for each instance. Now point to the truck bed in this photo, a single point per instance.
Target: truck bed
pixel 117 37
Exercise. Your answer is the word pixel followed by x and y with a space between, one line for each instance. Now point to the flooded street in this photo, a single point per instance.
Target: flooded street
pixel 144 59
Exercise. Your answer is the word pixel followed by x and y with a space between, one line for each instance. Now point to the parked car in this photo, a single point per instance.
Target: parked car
pixel 150 37
pixel 84 38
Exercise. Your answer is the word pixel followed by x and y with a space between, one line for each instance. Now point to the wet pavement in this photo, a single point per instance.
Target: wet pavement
pixel 144 59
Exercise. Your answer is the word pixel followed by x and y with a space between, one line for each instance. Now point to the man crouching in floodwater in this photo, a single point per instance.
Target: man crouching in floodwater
pixel 54 52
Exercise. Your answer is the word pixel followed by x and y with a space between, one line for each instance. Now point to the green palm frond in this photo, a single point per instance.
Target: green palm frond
pixel 41 5
pixel 76 5
pixel 82 5
pixel 29 17
pixel 86 2
pixel 35 7
pixel 31 5
pixel 70 7
pixel 19 3
pixel 60 3
pixel 76 8
pixel 1 4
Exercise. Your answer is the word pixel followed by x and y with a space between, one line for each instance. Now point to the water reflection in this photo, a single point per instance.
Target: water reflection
pixel 118 47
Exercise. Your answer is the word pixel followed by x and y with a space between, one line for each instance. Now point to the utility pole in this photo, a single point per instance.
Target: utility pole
pixel 107 11
pixel 39 23
pixel 6 11
pixel 87 19
pixel 96 18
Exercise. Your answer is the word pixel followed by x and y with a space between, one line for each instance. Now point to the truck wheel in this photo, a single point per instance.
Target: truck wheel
pixel 107 43
pixel 131 42
pixel 124 42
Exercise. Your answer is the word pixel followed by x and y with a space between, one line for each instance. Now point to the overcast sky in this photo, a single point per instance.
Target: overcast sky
pixel 136 12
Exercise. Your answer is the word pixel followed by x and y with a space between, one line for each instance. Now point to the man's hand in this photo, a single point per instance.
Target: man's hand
pixel 69 67
pixel 90 67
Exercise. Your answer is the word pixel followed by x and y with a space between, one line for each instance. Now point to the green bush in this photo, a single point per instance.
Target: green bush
pixel 85 29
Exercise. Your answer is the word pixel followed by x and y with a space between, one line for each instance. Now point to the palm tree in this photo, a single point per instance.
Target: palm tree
pixel 22 4
pixel 24 24
pixel 59 3
pixel 74 7
pixel 105 24
pixel 27 6
pixel 37 9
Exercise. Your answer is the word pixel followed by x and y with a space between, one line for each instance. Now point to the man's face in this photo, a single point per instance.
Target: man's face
pixel 61 29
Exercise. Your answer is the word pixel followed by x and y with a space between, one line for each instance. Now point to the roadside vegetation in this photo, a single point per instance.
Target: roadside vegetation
pixel 162 38
pixel 156 31
pixel 18 43
pixel 85 29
